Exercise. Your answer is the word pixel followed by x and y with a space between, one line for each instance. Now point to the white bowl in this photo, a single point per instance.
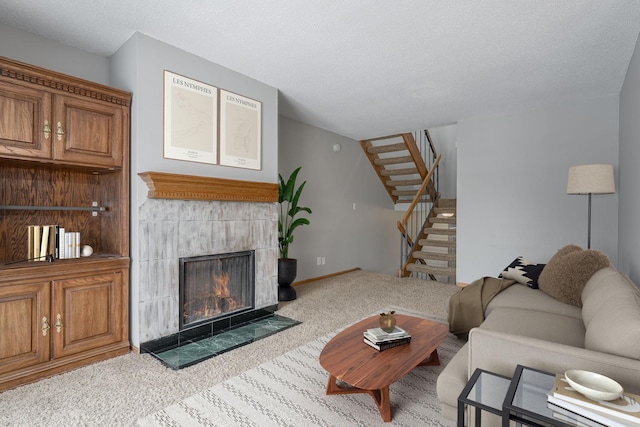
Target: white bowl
pixel 592 385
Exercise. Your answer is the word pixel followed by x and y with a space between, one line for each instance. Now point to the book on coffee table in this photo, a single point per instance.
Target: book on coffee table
pixel 384 345
pixel 377 335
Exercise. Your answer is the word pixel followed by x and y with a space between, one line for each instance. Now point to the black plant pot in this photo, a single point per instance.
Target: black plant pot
pixel 287 270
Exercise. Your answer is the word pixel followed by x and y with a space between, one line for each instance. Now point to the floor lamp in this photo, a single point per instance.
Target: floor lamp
pixel 591 179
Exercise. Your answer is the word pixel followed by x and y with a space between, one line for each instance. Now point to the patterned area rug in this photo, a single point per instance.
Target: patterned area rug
pixel 290 391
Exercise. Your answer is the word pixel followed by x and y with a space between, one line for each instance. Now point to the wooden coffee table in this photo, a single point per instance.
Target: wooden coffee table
pixel 362 369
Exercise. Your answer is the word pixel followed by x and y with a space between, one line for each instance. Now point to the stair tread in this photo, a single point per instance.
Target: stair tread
pixel 400 171
pixel 436 256
pixel 441 210
pixel 448 203
pixel 442 271
pixel 409 193
pixel 387 148
pixel 393 160
pixel 403 182
pixel 437 243
pixel 446 231
pixel 442 220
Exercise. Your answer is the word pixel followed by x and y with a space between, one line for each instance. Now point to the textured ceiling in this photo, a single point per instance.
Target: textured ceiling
pixel 367 68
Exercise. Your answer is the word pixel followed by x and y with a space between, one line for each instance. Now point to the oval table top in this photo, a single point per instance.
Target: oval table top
pixel 349 359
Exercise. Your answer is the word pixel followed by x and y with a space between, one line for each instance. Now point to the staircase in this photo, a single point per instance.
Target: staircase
pixel 407 166
pixel 399 164
pixel 435 252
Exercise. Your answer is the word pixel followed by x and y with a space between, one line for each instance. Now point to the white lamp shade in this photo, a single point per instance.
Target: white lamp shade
pixel 594 179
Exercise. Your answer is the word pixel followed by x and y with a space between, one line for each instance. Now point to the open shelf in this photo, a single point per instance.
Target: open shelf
pixel 77 199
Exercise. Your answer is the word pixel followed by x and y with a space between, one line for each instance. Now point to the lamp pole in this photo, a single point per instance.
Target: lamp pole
pixel 589 229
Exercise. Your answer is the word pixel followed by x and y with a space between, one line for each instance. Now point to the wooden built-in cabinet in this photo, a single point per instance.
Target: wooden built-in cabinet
pixel 64 160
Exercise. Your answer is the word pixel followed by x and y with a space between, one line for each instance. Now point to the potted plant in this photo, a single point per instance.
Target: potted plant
pixel 288 196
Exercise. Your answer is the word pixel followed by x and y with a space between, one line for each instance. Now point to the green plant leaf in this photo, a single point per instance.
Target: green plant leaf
pixel 288 195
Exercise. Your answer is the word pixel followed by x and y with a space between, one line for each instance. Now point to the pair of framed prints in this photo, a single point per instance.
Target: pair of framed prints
pixel 209 125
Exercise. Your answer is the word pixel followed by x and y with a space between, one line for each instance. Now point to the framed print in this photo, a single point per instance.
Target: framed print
pixel 190 119
pixel 240 131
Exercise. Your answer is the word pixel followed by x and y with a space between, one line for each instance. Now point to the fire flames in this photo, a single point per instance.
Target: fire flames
pixel 211 303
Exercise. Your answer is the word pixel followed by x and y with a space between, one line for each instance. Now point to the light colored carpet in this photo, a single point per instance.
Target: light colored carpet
pixel 118 391
pixel 290 391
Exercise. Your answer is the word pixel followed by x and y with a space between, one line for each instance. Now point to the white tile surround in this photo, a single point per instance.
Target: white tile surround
pixel 169 229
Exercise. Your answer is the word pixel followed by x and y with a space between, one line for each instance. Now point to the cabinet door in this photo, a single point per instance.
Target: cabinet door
pixel 25 115
pixel 24 309
pixel 87 131
pixel 87 313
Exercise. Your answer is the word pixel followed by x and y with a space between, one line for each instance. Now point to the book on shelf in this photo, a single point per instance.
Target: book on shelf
pixel 378 335
pixel 571 417
pixel 30 242
pixel 44 243
pixel 70 239
pixel 77 244
pixel 46 240
pixel 380 346
pixel 35 256
pixel 61 247
pixel 622 412
pixel 56 242
pixel 39 241
pixel 52 241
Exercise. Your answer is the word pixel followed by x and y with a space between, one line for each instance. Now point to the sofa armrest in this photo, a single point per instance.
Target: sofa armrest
pixel 500 352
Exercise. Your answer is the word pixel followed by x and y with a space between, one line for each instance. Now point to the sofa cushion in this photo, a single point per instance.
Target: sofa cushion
pixel 567 272
pixel 452 380
pixel 525 298
pixel 523 271
pixel 612 315
pixel 536 324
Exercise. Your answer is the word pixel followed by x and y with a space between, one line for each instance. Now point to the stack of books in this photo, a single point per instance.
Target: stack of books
pixel 381 340
pixel 51 240
pixel 568 404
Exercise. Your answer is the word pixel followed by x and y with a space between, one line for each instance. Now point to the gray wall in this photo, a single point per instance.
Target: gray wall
pixel 138 67
pixel 139 64
pixel 629 184
pixel 366 237
pixel 35 50
pixel 512 179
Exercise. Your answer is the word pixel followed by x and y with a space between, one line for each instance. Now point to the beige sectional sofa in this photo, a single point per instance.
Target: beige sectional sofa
pixel 529 327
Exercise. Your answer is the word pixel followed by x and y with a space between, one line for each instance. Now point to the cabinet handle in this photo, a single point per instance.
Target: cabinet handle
pixel 45 326
pixel 58 323
pixel 47 129
pixel 60 132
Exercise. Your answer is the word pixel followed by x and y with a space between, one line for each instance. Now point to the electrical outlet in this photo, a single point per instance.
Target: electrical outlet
pixel 319 260
pixel 323 260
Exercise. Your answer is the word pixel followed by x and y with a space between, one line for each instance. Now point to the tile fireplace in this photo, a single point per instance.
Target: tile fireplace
pixel 189 218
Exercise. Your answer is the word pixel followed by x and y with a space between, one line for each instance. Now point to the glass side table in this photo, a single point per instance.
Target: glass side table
pixel 526 400
pixel 485 391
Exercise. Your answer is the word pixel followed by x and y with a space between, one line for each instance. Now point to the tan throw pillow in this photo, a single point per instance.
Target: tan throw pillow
pixel 567 272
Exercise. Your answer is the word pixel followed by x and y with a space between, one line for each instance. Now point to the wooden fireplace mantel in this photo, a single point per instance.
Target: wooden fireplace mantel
pixel 190 187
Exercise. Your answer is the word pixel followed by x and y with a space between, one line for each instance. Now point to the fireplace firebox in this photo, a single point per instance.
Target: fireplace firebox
pixel 213 287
